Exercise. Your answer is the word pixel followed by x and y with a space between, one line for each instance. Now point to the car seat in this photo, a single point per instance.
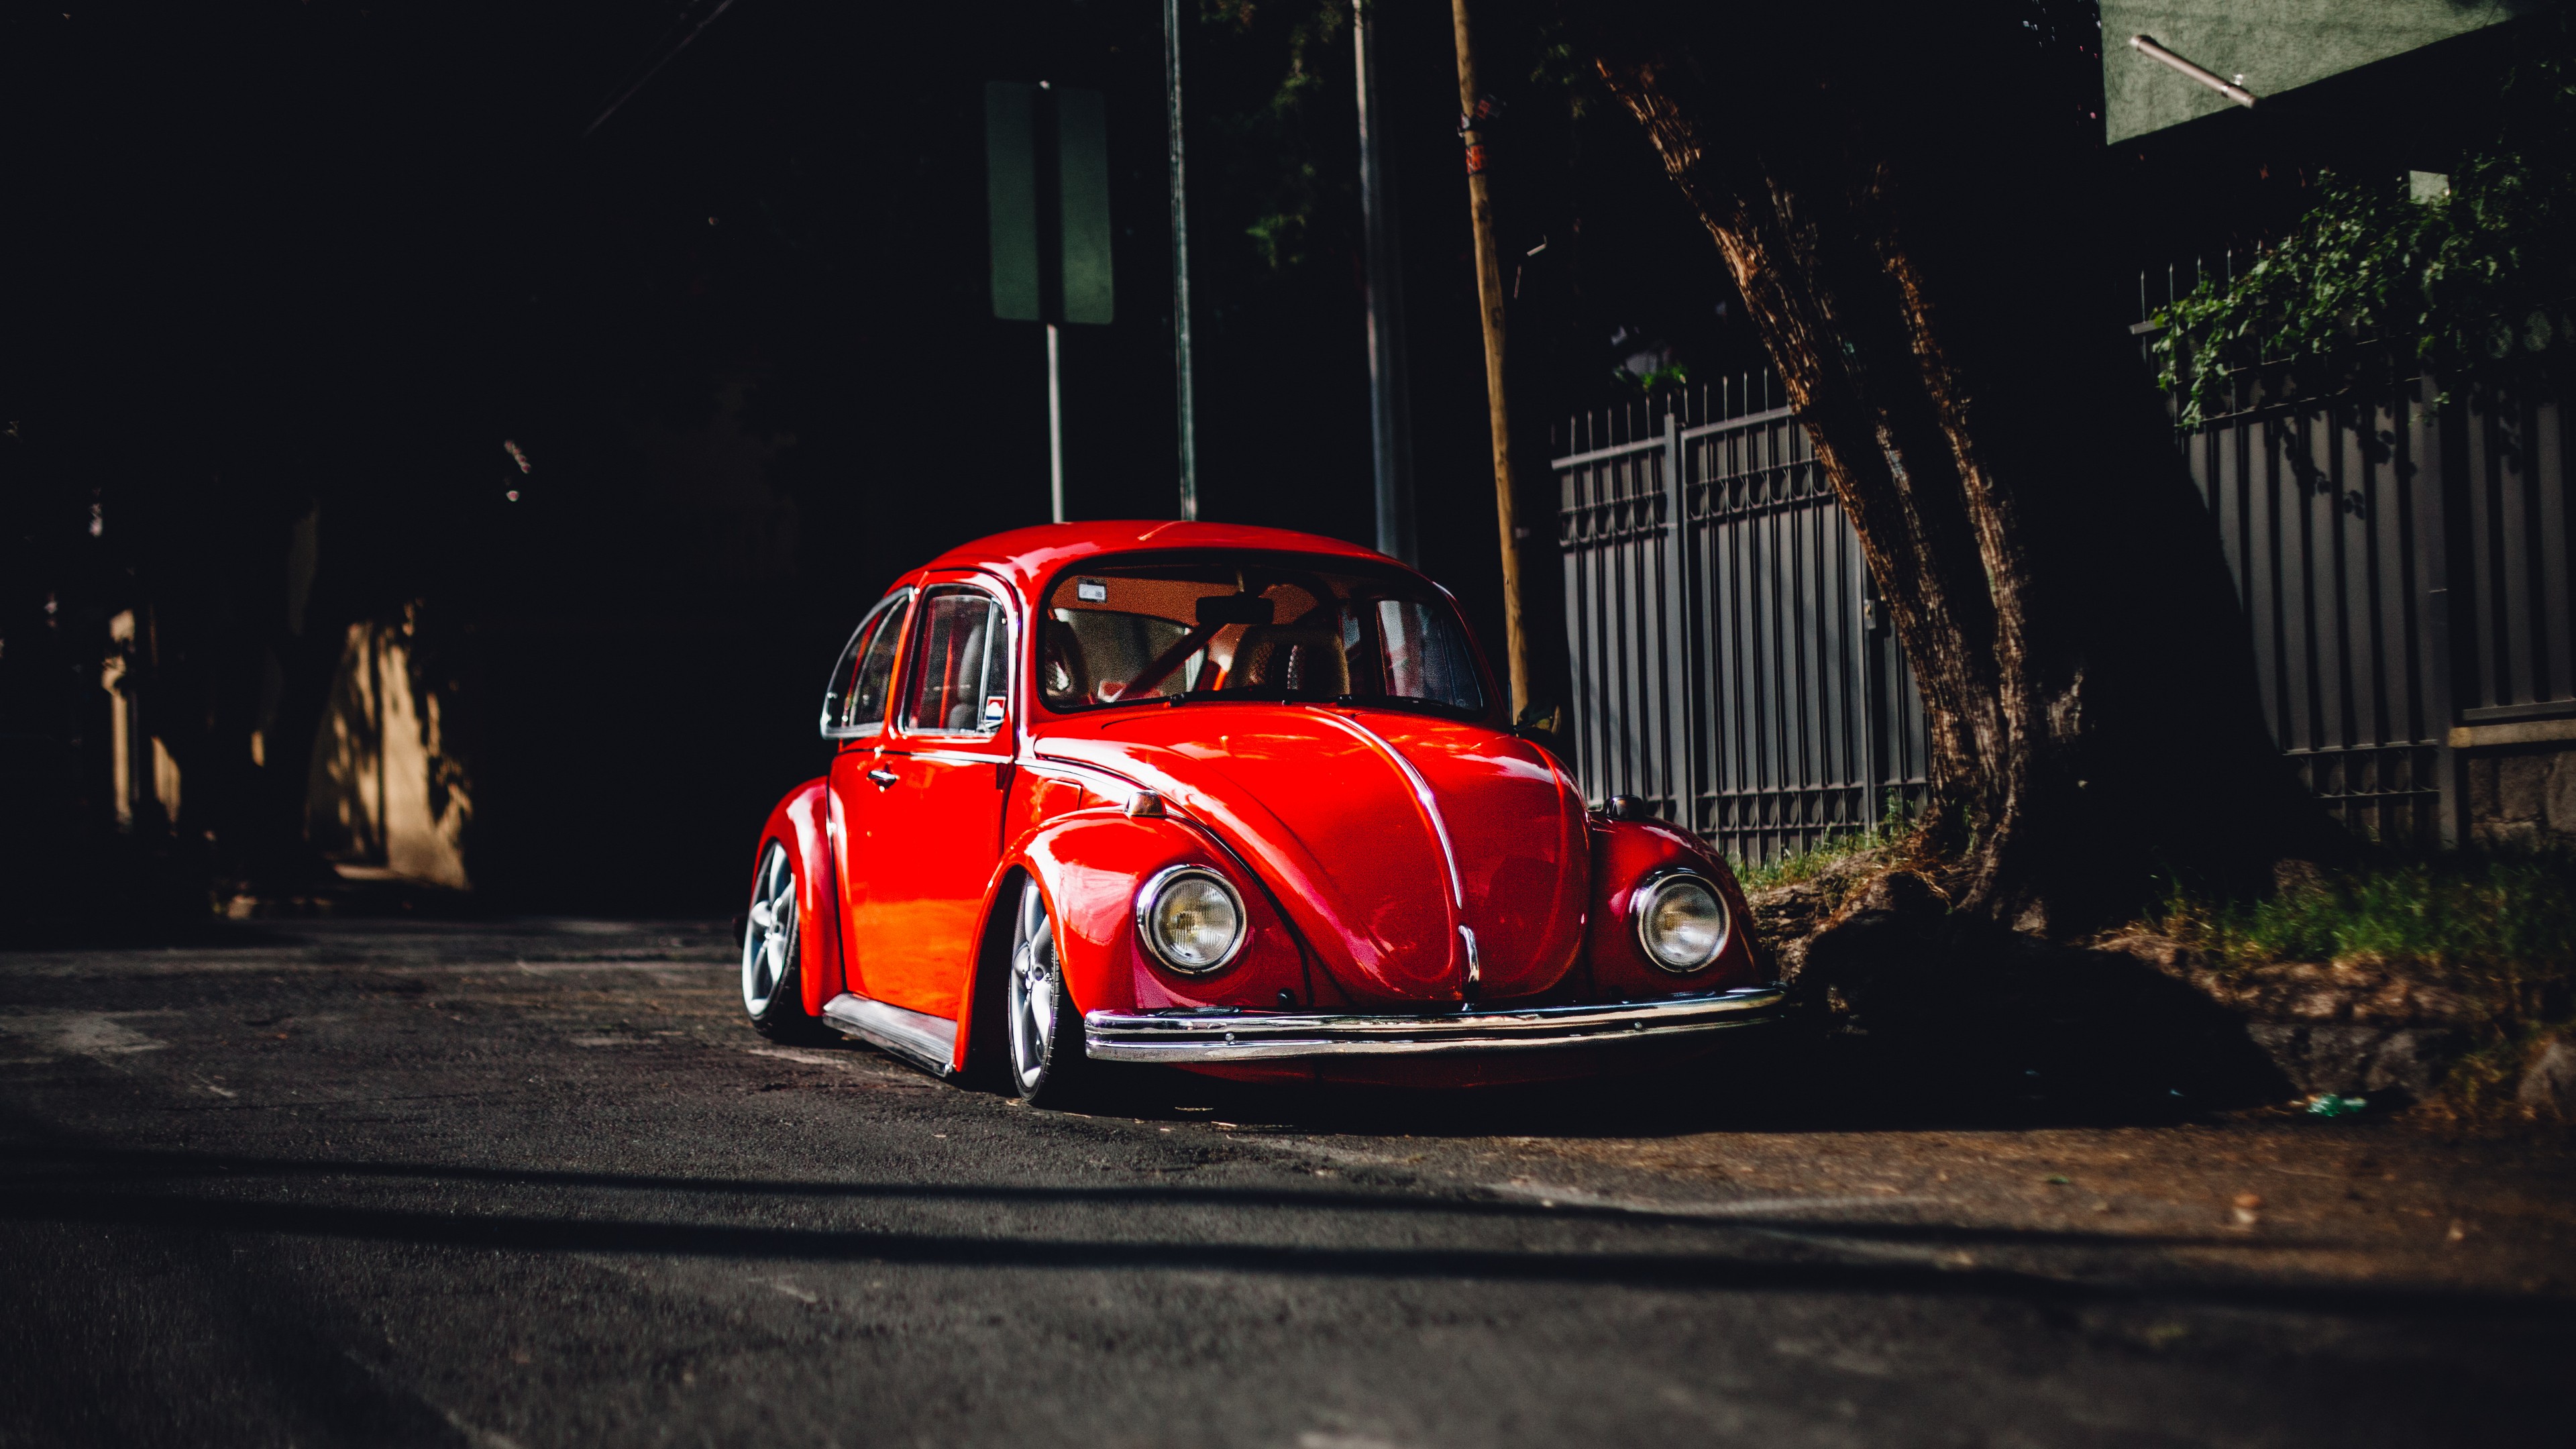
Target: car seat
pixel 1301 663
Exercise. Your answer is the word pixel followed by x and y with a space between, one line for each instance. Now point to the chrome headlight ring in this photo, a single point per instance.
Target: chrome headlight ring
pixel 1654 890
pixel 1151 895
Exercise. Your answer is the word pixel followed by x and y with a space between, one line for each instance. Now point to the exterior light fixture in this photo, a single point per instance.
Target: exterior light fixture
pixel 2234 90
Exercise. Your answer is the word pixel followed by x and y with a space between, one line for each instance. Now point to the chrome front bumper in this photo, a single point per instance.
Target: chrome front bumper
pixel 1257 1036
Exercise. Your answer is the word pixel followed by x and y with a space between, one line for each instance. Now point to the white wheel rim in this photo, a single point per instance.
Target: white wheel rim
pixel 769 942
pixel 1032 990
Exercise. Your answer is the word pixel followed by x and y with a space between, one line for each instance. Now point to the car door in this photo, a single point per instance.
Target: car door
pixel 854 713
pixel 935 821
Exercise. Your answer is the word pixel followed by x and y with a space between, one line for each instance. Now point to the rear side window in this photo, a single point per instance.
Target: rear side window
pixel 960 666
pixel 854 705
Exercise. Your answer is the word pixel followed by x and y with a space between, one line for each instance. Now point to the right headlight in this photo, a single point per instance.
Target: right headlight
pixel 1191 919
pixel 1681 921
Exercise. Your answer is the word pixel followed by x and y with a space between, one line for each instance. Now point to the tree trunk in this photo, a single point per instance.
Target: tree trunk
pixel 1910 238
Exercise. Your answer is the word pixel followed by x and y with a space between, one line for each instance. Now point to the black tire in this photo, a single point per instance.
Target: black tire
pixel 1043 1028
pixel 773 974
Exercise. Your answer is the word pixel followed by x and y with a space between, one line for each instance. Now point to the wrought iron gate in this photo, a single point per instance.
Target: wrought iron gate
pixel 1730 666
pixel 2403 563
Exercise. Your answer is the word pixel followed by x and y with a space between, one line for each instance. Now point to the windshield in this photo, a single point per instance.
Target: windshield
pixel 1253 628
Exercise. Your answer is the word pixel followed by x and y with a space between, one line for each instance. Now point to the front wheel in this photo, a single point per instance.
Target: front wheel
pixel 772 967
pixel 1048 1068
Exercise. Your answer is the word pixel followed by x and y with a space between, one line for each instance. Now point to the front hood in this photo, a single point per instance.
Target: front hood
pixel 1382 833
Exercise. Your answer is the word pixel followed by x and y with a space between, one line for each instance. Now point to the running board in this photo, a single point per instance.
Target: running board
pixel 926 1041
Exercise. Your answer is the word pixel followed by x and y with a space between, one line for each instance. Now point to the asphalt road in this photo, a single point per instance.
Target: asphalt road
pixel 535 1184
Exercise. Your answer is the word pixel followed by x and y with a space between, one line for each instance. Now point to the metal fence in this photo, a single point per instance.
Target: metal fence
pixel 1732 670
pixel 2403 562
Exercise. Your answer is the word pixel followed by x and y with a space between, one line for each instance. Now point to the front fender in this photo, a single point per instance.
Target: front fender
pixel 1624 853
pixel 801 823
pixel 1091 863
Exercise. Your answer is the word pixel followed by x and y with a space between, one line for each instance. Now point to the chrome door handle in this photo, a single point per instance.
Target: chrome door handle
pixel 883 778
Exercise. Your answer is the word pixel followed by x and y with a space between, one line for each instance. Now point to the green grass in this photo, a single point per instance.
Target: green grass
pixel 2497 926
pixel 2466 918
pixel 1811 862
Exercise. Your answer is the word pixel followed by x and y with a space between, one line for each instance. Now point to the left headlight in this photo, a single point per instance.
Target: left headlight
pixel 1681 921
pixel 1191 919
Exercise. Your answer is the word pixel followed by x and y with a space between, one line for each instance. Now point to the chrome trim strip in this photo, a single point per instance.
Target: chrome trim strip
pixel 924 1040
pixel 1421 793
pixel 1246 1036
pixel 952 757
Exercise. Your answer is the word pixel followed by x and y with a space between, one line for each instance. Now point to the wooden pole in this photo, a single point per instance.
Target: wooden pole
pixel 1474 113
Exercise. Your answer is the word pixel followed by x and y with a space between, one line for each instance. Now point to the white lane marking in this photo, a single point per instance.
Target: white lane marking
pixel 1551 1194
pixel 97 1035
pixel 788 1287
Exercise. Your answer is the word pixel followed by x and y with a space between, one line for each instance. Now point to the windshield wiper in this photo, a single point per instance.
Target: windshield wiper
pixel 1405 703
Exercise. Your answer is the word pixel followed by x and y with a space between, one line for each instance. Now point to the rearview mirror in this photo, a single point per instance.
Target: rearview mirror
pixel 1236 609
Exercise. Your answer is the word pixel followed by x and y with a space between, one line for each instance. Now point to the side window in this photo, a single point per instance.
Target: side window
pixel 1425 658
pixel 855 706
pixel 961 665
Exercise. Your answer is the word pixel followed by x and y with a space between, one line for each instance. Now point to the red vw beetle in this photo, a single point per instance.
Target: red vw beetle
pixel 1232 799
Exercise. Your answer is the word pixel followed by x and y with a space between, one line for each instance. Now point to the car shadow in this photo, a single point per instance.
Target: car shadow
pixel 1822 1082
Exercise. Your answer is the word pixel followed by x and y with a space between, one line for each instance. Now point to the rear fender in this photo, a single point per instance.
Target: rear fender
pixel 801 822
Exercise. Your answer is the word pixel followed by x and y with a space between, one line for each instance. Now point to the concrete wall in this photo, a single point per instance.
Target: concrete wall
pixel 382 792
pixel 2524 793
pixel 2275 45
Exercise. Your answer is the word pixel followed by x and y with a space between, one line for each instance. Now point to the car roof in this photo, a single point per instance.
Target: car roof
pixel 1027 556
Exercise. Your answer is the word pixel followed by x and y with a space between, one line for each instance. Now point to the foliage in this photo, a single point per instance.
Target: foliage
pixel 2466 283
pixel 2496 926
pixel 2496 919
pixel 1298 174
pixel 1670 375
pixel 1896 835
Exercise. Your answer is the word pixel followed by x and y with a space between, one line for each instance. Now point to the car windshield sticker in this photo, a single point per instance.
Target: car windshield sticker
pixel 1091 591
pixel 994 707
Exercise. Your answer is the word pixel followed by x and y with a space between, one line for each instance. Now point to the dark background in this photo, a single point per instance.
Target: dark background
pixel 313 259
pixel 275 260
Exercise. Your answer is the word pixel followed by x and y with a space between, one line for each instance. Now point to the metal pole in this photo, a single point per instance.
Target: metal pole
pixel 1180 264
pixel 1055 426
pixel 1390 406
pixel 1489 292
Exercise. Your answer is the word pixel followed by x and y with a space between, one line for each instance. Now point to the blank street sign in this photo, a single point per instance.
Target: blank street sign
pixel 1011 190
pixel 1047 185
pixel 1082 171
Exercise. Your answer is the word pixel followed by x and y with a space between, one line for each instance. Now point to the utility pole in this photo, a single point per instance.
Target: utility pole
pixel 1180 264
pixel 1474 113
pixel 1390 405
